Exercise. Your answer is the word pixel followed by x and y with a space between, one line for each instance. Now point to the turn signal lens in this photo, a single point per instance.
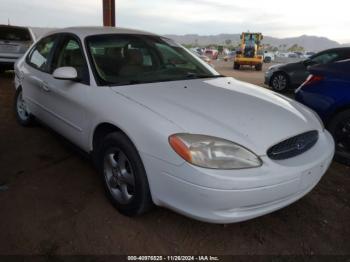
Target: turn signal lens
pixel 180 148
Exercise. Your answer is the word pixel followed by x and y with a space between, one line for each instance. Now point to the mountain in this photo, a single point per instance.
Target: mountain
pixel 310 43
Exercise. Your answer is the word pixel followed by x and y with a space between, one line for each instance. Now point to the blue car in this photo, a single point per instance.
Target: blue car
pixel 327 91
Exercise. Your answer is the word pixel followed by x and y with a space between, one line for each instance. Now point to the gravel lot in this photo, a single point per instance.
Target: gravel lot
pixel 53 203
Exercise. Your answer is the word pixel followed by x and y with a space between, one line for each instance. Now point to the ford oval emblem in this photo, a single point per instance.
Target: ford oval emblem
pixel 300 144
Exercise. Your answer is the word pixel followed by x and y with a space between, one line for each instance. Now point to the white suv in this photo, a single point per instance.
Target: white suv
pixel 14 42
pixel 164 127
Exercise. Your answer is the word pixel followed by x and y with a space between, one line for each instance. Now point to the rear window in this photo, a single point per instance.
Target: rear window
pixel 14 34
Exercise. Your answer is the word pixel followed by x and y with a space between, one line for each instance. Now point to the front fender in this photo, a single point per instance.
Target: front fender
pixel 147 130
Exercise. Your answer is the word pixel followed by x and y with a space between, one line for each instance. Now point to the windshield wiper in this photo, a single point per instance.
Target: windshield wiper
pixel 194 75
pixel 125 83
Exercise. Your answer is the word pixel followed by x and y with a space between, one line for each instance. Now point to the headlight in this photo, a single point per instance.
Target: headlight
pixel 212 152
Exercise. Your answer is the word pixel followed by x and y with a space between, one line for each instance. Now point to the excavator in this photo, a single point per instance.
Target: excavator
pixel 250 51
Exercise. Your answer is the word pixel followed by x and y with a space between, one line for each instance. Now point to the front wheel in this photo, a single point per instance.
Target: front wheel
pixel 258 67
pixel 23 116
pixel 236 66
pixel 339 127
pixel 279 82
pixel 124 176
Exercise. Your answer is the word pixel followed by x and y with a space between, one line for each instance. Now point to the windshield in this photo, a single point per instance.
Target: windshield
pixel 133 59
pixel 9 33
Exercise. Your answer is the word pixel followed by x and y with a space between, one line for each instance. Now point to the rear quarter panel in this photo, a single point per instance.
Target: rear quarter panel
pixel 327 97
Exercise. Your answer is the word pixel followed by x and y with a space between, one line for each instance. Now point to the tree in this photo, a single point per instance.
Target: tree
pixel 228 42
pixel 296 48
pixel 293 48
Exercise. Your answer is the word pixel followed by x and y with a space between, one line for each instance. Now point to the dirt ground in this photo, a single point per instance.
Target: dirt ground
pixel 53 203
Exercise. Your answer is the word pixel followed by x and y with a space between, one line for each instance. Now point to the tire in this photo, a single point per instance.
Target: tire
pixel 123 174
pixel 236 66
pixel 23 117
pixel 339 127
pixel 258 67
pixel 279 82
pixel 267 59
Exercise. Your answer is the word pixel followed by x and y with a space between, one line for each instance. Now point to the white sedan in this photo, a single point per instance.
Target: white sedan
pixel 165 128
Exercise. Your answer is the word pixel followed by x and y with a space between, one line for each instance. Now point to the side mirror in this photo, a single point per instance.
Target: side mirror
pixel 65 73
pixel 308 62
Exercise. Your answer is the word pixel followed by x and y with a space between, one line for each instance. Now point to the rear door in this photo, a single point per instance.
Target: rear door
pixel 34 72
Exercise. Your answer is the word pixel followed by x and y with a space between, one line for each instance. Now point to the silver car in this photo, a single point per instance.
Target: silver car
pixel 14 42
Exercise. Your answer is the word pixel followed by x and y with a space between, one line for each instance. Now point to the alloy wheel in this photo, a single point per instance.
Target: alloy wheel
pixel 22 107
pixel 279 82
pixel 119 176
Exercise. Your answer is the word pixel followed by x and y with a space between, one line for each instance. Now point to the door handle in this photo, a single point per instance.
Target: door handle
pixel 45 87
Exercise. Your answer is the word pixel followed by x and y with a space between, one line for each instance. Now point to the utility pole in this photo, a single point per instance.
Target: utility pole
pixel 108 12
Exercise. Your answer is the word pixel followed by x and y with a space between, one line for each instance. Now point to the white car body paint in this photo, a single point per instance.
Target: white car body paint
pixel 222 107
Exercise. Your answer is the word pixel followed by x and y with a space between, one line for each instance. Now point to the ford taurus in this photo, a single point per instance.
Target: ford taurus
pixel 165 128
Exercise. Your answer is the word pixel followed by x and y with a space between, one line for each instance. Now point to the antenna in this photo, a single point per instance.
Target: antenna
pixel 8 21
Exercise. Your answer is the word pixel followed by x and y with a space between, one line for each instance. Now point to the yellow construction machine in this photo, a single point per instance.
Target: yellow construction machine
pixel 250 51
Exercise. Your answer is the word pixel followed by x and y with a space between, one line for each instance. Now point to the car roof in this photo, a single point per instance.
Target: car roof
pixel 33 36
pixel 14 26
pixel 338 49
pixel 84 31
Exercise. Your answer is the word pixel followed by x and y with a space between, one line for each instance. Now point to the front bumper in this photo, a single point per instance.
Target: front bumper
pixel 227 196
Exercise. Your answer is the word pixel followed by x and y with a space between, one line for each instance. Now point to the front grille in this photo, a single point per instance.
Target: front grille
pixel 293 146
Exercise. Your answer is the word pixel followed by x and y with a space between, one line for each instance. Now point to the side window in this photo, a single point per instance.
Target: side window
pixel 70 54
pixel 325 58
pixel 39 56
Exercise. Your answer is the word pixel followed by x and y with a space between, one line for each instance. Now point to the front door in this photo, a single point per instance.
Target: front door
pixel 66 100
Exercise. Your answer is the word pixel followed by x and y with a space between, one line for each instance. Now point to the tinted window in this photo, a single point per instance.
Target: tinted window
pixel 325 58
pixel 14 34
pixel 71 54
pixel 38 57
pixel 132 59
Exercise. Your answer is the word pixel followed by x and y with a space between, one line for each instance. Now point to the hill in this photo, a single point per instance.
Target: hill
pixel 310 43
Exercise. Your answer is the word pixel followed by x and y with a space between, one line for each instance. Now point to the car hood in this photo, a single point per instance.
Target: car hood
pixel 225 107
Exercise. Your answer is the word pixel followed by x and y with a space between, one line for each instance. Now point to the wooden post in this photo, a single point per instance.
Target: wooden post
pixel 108 12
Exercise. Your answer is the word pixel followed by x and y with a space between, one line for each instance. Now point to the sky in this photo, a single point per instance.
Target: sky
pixel 275 18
